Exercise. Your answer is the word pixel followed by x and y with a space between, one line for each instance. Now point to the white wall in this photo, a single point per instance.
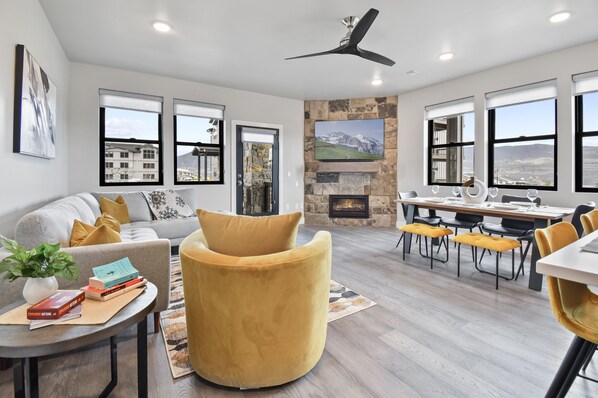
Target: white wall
pixel 27 182
pixel 240 105
pixel 412 145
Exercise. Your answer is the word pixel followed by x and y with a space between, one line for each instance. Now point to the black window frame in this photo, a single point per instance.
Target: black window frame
pixel 219 145
pixel 104 140
pixel 432 147
pixel 492 141
pixel 580 134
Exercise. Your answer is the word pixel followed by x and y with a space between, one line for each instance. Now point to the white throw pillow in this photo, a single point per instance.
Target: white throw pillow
pixel 166 204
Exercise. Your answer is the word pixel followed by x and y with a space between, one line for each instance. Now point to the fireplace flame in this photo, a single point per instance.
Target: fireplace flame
pixel 349 204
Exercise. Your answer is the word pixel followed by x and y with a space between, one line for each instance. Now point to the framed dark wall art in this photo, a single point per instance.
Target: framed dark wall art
pixel 35 108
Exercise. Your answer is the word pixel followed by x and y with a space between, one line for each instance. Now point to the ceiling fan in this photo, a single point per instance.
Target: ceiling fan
pixel 348 44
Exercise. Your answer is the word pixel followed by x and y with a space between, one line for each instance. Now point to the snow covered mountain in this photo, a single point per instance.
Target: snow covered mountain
pixel 358 142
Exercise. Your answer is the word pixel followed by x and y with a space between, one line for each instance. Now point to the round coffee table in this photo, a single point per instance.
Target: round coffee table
pixel 17 341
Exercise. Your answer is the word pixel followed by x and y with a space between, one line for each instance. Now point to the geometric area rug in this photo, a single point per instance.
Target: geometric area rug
pixel 343 302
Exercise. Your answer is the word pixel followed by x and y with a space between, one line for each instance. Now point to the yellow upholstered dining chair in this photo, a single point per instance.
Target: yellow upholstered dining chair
pixel 573 304
pixel 255 321
pixel 590 221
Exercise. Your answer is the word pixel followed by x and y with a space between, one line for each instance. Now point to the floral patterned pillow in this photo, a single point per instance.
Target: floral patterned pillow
pixel 166 204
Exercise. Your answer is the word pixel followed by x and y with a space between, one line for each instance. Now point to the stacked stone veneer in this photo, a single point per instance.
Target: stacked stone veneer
pixel 381 185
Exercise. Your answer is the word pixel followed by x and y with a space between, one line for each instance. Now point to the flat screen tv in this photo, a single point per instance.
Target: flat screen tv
pixel 350 140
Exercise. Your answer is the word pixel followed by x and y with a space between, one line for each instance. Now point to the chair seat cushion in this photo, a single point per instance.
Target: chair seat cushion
pixel 500 230
pixel 426 230
pixel 493 243
pixel 453 222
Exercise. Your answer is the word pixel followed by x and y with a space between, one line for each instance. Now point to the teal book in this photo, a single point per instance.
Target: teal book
pixel 115 273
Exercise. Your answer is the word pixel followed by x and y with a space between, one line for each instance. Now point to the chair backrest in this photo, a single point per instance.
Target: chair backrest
pixel 579 211
pixel 518 224
pixel 408 195
pixel 565 296
pixel 590 221
pixel 469 217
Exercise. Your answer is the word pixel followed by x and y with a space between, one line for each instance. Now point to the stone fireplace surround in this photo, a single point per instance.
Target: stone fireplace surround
pixel 377 179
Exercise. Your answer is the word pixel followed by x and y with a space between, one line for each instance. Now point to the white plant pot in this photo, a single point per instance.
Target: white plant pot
pixel 37 289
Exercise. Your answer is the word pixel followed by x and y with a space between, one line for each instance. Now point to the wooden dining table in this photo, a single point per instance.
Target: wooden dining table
pixel 541 216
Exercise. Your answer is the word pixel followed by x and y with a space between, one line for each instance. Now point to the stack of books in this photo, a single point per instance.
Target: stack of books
pixel 59 307
pixel 112 280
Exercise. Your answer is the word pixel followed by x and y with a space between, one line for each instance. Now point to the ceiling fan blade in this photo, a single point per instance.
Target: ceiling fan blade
pixel 362 27
pixel 372 56
pixel 337 50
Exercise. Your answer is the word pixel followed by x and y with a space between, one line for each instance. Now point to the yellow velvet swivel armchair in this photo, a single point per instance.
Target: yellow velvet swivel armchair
pixel 255 321
pixel 574 305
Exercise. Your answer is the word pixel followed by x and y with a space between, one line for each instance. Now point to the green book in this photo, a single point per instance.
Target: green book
pixel 115 273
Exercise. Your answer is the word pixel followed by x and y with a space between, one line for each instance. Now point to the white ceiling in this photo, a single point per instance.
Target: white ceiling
pixel 242 44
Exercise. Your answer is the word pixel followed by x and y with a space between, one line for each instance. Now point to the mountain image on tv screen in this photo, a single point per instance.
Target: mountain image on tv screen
pixel 350 140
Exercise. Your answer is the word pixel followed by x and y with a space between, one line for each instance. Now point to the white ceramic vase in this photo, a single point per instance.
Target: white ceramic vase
pixel 37 289
pixel 480 197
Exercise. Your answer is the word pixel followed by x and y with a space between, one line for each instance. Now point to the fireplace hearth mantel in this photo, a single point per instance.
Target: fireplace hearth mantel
pixel 349 167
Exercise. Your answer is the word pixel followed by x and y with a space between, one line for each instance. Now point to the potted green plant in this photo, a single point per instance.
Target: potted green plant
pixel 40 266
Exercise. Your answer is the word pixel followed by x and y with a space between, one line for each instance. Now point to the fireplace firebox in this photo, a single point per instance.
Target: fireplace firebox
pixel 349 206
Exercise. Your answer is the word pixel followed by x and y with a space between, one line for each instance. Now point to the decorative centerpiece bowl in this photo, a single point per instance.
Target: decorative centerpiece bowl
pixel 40 266
pixel 470 198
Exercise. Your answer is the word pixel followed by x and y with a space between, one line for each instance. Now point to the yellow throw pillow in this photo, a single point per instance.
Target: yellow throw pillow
pixel 85 235
pixel 243 236
pixel 108 220
pixel 116 208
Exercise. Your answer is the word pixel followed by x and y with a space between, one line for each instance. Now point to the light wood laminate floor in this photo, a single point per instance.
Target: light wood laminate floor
pixel 431 335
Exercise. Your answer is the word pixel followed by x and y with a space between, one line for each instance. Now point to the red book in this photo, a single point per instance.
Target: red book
pixel 95 296
pixel 56 305
pixel 92 292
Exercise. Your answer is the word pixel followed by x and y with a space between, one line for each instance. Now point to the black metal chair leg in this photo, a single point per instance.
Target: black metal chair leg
pixel 577 364
pixel 568 361
pixel 399 242
pixel 588 359
pixel 497 260
pixel 458 259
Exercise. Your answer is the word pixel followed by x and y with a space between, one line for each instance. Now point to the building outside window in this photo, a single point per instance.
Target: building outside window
pixel 451 134
pixel 131 127
pixel 149 154
pixel 149 176
pixel 522 146
pixel 199 142
pixel 585 90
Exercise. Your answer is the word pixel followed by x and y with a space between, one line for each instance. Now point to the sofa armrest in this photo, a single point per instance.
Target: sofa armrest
pixel 151 258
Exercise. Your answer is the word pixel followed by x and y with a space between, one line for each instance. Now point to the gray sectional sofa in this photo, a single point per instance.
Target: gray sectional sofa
pixel 147 242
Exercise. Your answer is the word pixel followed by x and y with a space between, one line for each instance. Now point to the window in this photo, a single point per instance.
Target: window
pixel 199 142
pixel 131 127
pixel 148 165
pixel 522 147
pixel 451 137
pixel 109 165
pixel 109 177
pixel 585 87
pixel 149 154
pixel 149 176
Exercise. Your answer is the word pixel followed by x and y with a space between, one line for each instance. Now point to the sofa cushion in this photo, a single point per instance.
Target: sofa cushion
pixel 116 208
pixel 169 229
pixel 53 222
pixel 166 204
pixel 244 236
pixel 92 202
pixel 137 234
pixel 109 221
pixel 85 235
pixel 189 195
pixel 138 208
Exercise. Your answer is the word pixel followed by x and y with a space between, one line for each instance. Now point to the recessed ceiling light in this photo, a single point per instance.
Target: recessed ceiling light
pixel 445 56
pixel 376 82
pixel 560 16
pixel 161 26
pixel 411 72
